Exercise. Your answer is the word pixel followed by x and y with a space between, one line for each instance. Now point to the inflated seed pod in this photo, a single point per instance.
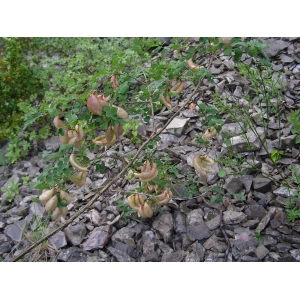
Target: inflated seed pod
pixel 51 203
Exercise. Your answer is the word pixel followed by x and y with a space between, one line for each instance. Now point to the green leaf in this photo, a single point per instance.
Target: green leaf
pixel 123 88
pixel 227 51
pixel 100 168
pixel 222 173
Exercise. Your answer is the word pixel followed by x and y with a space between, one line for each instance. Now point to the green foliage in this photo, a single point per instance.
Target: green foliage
pixel 132 127
pixel 11 190
pixel 292 207
pixel 295 121
pixel 276 155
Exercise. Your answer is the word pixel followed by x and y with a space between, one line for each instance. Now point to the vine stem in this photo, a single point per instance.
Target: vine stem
pixel 90 203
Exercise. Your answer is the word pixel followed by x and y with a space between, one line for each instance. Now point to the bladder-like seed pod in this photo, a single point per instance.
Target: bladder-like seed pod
pixel 148 171
pixel 192 66
pixel 58 123
pixel 178 88
pixel 118 130
pixel 102 141
pixel 51 203
pixel 114 80
pixel 209 133
pixel 137 202
pixel 166 101
pixel 66 196
pixel 94 105
pixel 163 198
pixel 75 164
pixel 79 179
pixel 46 195
pixel 109 133
pixel 200 163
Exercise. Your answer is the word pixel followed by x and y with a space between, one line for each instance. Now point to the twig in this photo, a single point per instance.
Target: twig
pixel 90 203
pixel 225 235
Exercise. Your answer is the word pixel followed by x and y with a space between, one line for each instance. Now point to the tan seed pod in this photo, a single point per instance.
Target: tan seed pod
pixel 51 203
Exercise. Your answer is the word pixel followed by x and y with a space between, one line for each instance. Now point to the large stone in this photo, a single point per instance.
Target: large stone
pixel 164 226
pixel 249 143
pixel 177 126
pixel 233 217
pixel 266 219
pixel 262 184
pixel 180 222
pixel 296 254
pixel 73 254
pixel 58 240
pixel 120 255
pixel 233 185
pixel 285 192
pixel 274 46
pixel 231 129
pixel 75 234
pixel 16 230
pixel 176 256
pixel 284 142
pixel 196 253
pixel 98 238
pixel 261 252
pixel 255 212
pixel 196 228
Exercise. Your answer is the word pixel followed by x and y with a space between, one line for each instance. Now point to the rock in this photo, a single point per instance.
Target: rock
pixel 283 247
pixel 179 222
pixel 284 142
pixel 52 144
pixel 215 70
pixel 95 217
pixel 233 217
pixel 231 129
pixel 149 243
pixel 262 184
pixel 264 222
pixel 129 249
pixel 164 225
pixel 296 254
pixel 75 234
pixel 274 46
pixel 58 240
pixel 196 253
pixel 190 113
pixel 176 256
pixel 124 234
pixel 36 209
pixel 292 239
pixel 296 70
pixel 177 126
pixel 164 247
pixel 214 243
pixel 247 181
pixel 238 92
pixel 255 212
pixel 213 223
pixel 233 185
pixel 120 255
pixel 16 230
pixel 268 241
pixel 286 58
pixel 5 247
pixel 285 192
pixel 139 229
pixel 98 238
pixel 73 254
pixel 248 143
pixel 261 252
pixel 196 228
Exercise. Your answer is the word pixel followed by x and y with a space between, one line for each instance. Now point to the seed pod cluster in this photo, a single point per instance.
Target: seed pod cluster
pixel 200 163
pixel 70 136
pixel 51 199
pixel 137 202
pixel 148 171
